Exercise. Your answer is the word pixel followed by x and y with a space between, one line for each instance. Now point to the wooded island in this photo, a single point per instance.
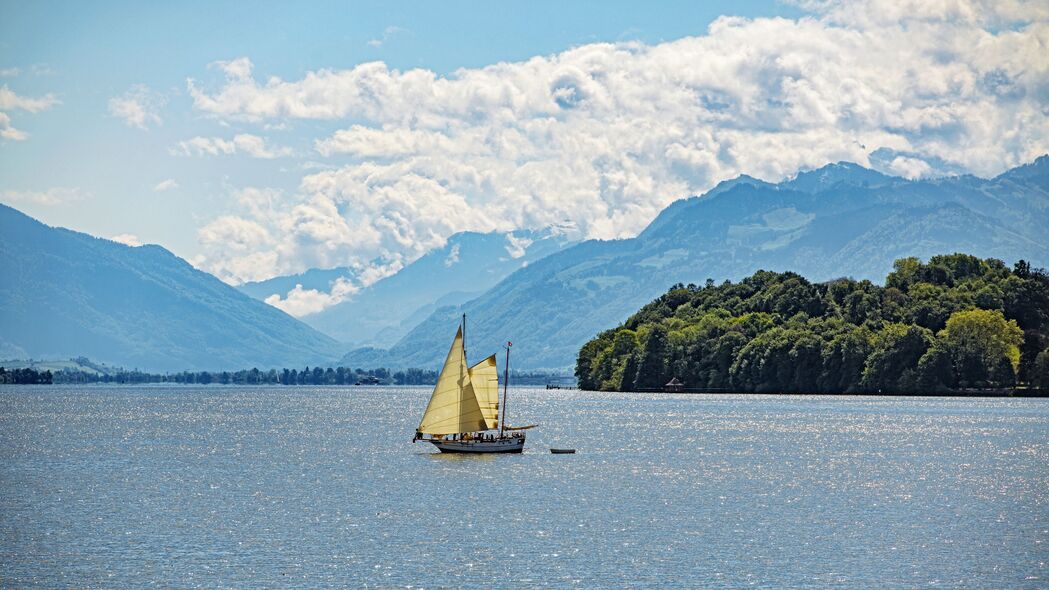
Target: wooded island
pixel 956 322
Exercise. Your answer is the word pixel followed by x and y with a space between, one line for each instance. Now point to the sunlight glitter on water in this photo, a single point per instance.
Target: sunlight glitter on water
pixel 322 487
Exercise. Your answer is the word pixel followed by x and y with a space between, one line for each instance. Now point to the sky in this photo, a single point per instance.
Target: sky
pixel 260 139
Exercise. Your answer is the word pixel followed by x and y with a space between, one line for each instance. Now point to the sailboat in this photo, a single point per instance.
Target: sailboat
pixel 464 415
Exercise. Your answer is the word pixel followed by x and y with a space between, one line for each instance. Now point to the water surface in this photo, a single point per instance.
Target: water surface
pixel 312 487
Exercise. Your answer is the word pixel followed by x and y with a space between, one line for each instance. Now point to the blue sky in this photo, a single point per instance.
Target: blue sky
pixel 85 53
pixel 255 139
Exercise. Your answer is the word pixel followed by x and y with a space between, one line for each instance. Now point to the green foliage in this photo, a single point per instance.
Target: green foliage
pixel 956 321
pixel 652 366
pixel 984 347
pixel 896 352
pixel 1040 371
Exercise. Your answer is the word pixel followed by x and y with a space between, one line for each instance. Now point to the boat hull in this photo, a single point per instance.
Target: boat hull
pixel 503 445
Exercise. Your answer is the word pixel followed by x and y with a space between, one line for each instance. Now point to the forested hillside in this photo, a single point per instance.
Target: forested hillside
pixel 956 321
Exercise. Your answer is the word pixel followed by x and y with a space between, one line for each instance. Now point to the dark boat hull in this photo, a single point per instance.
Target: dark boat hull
pixel 504 445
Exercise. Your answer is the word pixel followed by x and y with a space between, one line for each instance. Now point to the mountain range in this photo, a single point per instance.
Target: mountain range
pixel 67 294
pixel 381 313
pixel 839 220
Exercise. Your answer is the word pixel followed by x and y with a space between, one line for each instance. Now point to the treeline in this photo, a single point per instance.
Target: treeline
pixel 955 322
pixel 25 377
pixel 307 376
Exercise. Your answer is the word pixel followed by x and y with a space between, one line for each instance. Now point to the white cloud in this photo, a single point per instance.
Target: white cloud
pixel 453 256
pixel 50 197
pixel 166 185
pixel 387 33
pixel 300 302
pixel 516 246
pixel 606 135
pixel 138 107
pixel 11 101
pixel 10 72
pixel 910 167
pixel 7 131
pixel 988 13
pixel 127 239
pixel 243 143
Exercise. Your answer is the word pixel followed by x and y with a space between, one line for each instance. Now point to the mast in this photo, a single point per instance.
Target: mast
pixel 462 367
pixel 506 385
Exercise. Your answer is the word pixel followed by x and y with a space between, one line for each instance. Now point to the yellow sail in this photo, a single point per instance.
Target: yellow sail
pixel 453 407
pixel 484 380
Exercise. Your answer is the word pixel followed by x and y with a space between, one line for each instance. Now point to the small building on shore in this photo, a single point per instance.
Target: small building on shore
pixel 674 386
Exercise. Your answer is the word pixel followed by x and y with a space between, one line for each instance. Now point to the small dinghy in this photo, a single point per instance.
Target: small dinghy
pixel 563 451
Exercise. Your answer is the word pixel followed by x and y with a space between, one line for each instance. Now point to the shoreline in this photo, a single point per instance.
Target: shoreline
pixel 967 393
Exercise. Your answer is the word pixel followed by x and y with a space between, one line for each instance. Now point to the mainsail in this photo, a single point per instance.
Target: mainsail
pixel 484 380
pixel 453 407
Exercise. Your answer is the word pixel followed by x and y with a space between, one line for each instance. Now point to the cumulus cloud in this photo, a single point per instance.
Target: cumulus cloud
pixel 300 302
pixel 606 135
pixel 984 13
pixel 127 239
pixel 50 197
pixel 242 143
pixel 11 101
pixel 910 167
pixel 138 107
pixel 166 185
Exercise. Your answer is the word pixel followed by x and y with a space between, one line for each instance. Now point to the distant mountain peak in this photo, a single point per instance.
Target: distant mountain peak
pixel 847 173
pixel 72 294
pixel 742 180
pixel 1039 167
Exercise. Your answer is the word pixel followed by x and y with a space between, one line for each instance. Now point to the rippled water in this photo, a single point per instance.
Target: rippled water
pixel 219 487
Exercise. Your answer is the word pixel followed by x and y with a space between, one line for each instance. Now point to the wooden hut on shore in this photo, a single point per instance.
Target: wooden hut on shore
pixel 674 386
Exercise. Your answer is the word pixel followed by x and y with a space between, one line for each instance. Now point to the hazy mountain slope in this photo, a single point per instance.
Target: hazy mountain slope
pixel 839 220
pixel 468 265
pixel 69 294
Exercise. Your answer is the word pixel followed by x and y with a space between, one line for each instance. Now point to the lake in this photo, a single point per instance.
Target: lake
pixel 316 487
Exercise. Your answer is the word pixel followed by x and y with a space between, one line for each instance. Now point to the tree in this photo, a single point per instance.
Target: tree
pixel 1022 268
pixel 984 347
pixel 1040 371
pixel 807 358
pixel 935 370
pixel 627 382
pixel 894 359
pixel 764 364
pixel 584 369
pixel 844 359
pixel 651 369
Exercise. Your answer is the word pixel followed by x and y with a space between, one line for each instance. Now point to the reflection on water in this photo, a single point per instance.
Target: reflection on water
pixel 312 487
